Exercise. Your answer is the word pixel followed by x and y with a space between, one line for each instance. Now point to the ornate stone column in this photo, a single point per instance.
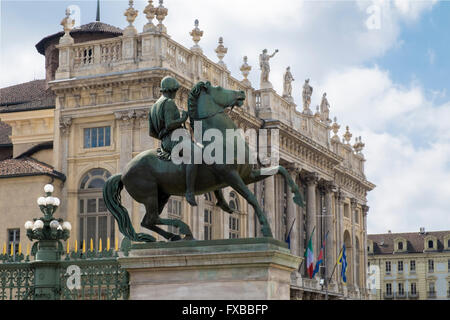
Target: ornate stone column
pixel 65 124
pixel 327 188
pixel 293 221
pixel 311 182
pixel 365 211
pixel 269 202
pixel 353 203
pixel 340 223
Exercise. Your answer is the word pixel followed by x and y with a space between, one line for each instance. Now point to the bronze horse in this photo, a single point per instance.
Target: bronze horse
pixel 151 181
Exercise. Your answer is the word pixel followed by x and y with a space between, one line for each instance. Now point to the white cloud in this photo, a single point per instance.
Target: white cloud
pixel 407 141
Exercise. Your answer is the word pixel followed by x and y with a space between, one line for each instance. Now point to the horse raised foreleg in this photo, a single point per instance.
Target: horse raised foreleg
pixel 261 174
pixel 236 182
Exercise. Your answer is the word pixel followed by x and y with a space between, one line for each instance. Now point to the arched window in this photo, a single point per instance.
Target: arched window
pixel 234 201
pixel 430 244
pixel 400 246
pixel 95 222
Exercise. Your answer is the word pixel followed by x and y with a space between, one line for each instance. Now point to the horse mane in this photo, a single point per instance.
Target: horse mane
pixel 193 98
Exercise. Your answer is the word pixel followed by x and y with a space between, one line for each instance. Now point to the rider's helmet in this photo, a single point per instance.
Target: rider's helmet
pixel 169 84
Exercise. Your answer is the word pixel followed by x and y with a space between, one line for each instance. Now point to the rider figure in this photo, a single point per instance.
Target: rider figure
pixel 164 118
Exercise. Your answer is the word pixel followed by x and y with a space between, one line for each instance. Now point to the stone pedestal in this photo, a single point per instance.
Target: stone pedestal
pixel 233 269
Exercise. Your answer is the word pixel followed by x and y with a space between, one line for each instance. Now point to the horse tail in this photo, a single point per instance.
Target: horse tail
pixel 111 196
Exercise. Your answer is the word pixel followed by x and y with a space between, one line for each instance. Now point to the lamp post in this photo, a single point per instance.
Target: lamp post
pixel 48 232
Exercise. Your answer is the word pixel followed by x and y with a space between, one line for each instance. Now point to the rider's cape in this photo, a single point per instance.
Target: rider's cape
pixel 156 117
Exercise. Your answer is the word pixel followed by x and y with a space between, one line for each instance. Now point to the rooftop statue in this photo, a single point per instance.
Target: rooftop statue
pixel 265 66
pixel 151 178
pixel 287 86
pixel 307 93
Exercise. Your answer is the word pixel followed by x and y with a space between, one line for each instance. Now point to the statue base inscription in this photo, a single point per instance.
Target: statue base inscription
pixel 233 269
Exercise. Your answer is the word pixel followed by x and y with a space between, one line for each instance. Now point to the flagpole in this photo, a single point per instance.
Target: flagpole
pixel 306 249
pixel 336 264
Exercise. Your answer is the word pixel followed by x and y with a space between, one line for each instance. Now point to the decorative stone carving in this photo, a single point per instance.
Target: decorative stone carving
pixel 265 68
pixel 65 124
pixel 347 135
pixel 196 35
pixel 287 84
pixel 150 13
pixel 311 178
pixel 307 93
pixel 325 109
pixel 353 203
pixel 161 14
pixel 335 127
pixel 131 15
pixel 245 69
pixel 221 52
pixel 68 23
pixel 359 145
pixel 365 210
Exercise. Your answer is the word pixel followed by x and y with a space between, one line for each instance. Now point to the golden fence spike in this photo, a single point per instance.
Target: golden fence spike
pixel 12 249
pixel 92 245
pixel 68 247
pixel 116 245
pixel 100 245
pixel 20 248
pixel 28 249
pixel 108 244
pixel 4 248
pixel 76 246
pixel 84 246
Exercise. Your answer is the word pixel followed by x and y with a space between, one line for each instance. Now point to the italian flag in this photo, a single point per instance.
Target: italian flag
pixel 309 254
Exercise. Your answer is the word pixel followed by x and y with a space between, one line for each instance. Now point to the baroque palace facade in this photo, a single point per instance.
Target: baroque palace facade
pixel 88 119
pixel 410 266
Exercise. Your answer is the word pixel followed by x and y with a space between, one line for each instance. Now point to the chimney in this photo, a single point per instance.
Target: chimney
pixel 389 231
pixel 422 230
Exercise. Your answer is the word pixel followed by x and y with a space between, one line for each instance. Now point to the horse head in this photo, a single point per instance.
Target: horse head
pixel 217 99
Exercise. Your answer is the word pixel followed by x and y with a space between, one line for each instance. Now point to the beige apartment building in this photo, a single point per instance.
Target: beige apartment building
pixel 88 119
pixel 411 266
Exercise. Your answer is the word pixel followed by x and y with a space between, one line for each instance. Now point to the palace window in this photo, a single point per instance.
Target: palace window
pixel 412 266
pixel 400 266
pixel 174 212
pixel 95 221
pixel 234 220
pixel 430 244
pixel 208 224
pixel 14 240
pixel 357 216
pixel 388 266
pixel 431 288
pixel 401 289
pixel 97 137
pixel 413 288
pixel 400 246
pixel 233 227
pixel 430 265
pixel 388 289
pixel 346 210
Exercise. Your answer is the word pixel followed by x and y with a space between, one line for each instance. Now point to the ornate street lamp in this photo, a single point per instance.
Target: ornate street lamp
pixel 48 249
pixel 48 228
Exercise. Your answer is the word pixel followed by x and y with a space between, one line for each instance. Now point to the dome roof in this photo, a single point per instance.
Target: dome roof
pixel 93 27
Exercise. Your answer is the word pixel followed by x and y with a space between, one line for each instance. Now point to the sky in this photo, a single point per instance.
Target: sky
pixel 385 66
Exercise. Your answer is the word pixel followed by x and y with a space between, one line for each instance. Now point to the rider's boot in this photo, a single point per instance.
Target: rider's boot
pixel 191 173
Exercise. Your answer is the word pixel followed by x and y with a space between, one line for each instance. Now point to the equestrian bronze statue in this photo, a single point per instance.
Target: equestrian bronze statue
pixel 151 177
